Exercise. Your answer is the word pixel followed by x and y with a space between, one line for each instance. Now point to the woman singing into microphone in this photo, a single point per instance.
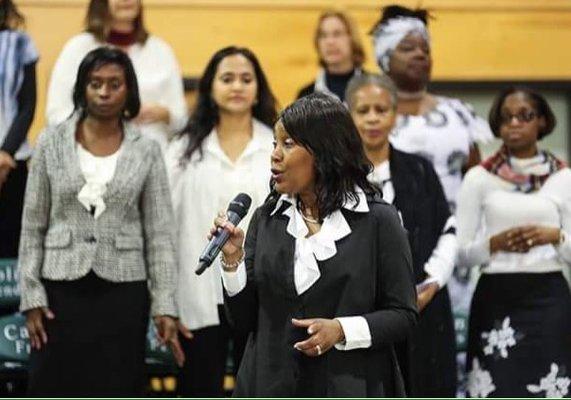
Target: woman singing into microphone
pixel 323 283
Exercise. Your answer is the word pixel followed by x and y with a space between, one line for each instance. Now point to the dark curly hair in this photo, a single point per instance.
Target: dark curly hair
pixel 325 128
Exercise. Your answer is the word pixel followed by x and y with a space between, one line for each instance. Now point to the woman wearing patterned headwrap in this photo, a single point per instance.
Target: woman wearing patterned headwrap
pixel 514 214
pixel 441 129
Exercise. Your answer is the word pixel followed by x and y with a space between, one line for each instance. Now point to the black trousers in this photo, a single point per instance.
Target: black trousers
pixel 11 206
pixel 206 353
pixel 96 342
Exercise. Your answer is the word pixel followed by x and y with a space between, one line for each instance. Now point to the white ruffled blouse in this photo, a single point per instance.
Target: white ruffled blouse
pixel 308 250
pixel 320 246
pixel 98 172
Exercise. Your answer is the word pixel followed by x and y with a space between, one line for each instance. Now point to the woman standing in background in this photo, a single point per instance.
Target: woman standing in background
pixel 120 23
pixel 444 130
pixel 224 150
pixel 17 107
pixel 514 218
pixel 441 129
pixel 96 255
pixel 428 356
pixel 340 53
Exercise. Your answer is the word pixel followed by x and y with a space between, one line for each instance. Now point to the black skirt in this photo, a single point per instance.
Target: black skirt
pixel 428 357
pixel 96 342
pixel 519 341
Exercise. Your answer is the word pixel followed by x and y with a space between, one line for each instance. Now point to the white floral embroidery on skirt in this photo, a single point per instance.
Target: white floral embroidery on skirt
pixel 480 382
pixel 500 339
pixel 553 384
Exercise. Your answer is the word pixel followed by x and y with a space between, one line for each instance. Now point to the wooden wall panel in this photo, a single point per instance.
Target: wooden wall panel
pixel 473 39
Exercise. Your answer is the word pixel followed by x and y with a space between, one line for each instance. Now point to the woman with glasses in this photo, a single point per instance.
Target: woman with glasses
pixel 514 213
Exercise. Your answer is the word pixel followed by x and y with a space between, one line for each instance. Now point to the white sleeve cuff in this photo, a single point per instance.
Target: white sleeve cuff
pixel 475 253
pixel 234 282
pixel 357 333
pixel 564 249
pixel 441 263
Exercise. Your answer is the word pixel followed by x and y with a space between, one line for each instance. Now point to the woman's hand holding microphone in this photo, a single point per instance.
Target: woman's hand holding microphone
pixel 233 249
pixel 323 333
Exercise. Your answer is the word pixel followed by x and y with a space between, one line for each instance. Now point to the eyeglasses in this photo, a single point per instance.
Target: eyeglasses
pixel 522 117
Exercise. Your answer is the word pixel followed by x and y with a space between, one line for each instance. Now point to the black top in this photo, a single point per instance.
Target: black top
pixel 337 83
pixel 370 276
pixel 26 109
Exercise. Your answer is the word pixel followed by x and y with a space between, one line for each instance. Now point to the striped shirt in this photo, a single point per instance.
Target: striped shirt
pixel 16 51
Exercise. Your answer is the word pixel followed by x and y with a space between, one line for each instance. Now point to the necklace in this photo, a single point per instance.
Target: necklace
pixel 411 95
pixel 300 208
pixel 310 220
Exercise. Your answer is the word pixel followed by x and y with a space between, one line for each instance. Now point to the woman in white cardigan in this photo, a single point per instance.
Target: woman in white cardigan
pixel 514 214
pixel 224 150
pixel 120 23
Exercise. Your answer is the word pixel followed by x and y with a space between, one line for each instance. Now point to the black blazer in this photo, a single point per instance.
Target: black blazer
pixel 371 276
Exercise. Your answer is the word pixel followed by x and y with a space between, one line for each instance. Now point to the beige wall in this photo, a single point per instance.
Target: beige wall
pixel 473 39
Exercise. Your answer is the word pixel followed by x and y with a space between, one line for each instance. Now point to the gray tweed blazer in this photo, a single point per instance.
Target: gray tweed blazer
pixel 131 241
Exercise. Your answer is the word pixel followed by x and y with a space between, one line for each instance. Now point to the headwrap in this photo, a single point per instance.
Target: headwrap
pixel 389 34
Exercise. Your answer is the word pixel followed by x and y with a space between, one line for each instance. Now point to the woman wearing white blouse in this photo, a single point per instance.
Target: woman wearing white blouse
pixel 120 23
pixel 514 213
pixel 224 150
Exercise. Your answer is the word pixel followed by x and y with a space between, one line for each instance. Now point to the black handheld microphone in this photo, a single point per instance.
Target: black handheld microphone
pixel 237 209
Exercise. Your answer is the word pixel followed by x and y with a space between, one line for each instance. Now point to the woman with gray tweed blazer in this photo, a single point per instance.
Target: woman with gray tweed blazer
pixel 96 251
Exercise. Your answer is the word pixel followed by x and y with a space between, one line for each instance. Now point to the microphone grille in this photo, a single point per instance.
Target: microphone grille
pixel 240 205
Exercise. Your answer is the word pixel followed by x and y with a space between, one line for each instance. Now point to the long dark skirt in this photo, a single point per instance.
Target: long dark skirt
pixel 96 343
pixel 428 357
pixel 519 342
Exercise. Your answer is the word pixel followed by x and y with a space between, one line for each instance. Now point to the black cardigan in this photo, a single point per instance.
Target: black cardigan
pixel 371 276
pixel 428 356
pixel 420 200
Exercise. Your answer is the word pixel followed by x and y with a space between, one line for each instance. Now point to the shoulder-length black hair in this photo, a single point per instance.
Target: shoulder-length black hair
pixel 538 102
pixel 95 59
pixel 98 21
pixel 205 115
pixel 10 17
pixel 325 128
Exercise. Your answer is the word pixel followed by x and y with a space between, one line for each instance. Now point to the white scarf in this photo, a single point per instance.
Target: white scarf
pixel 389 34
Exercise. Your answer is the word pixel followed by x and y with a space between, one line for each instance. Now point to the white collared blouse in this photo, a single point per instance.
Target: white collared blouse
pixel 308 250
pixel 201 188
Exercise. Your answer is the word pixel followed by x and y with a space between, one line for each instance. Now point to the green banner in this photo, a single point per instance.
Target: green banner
pixel 9 291
pixel 15 344
pixel 14 341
